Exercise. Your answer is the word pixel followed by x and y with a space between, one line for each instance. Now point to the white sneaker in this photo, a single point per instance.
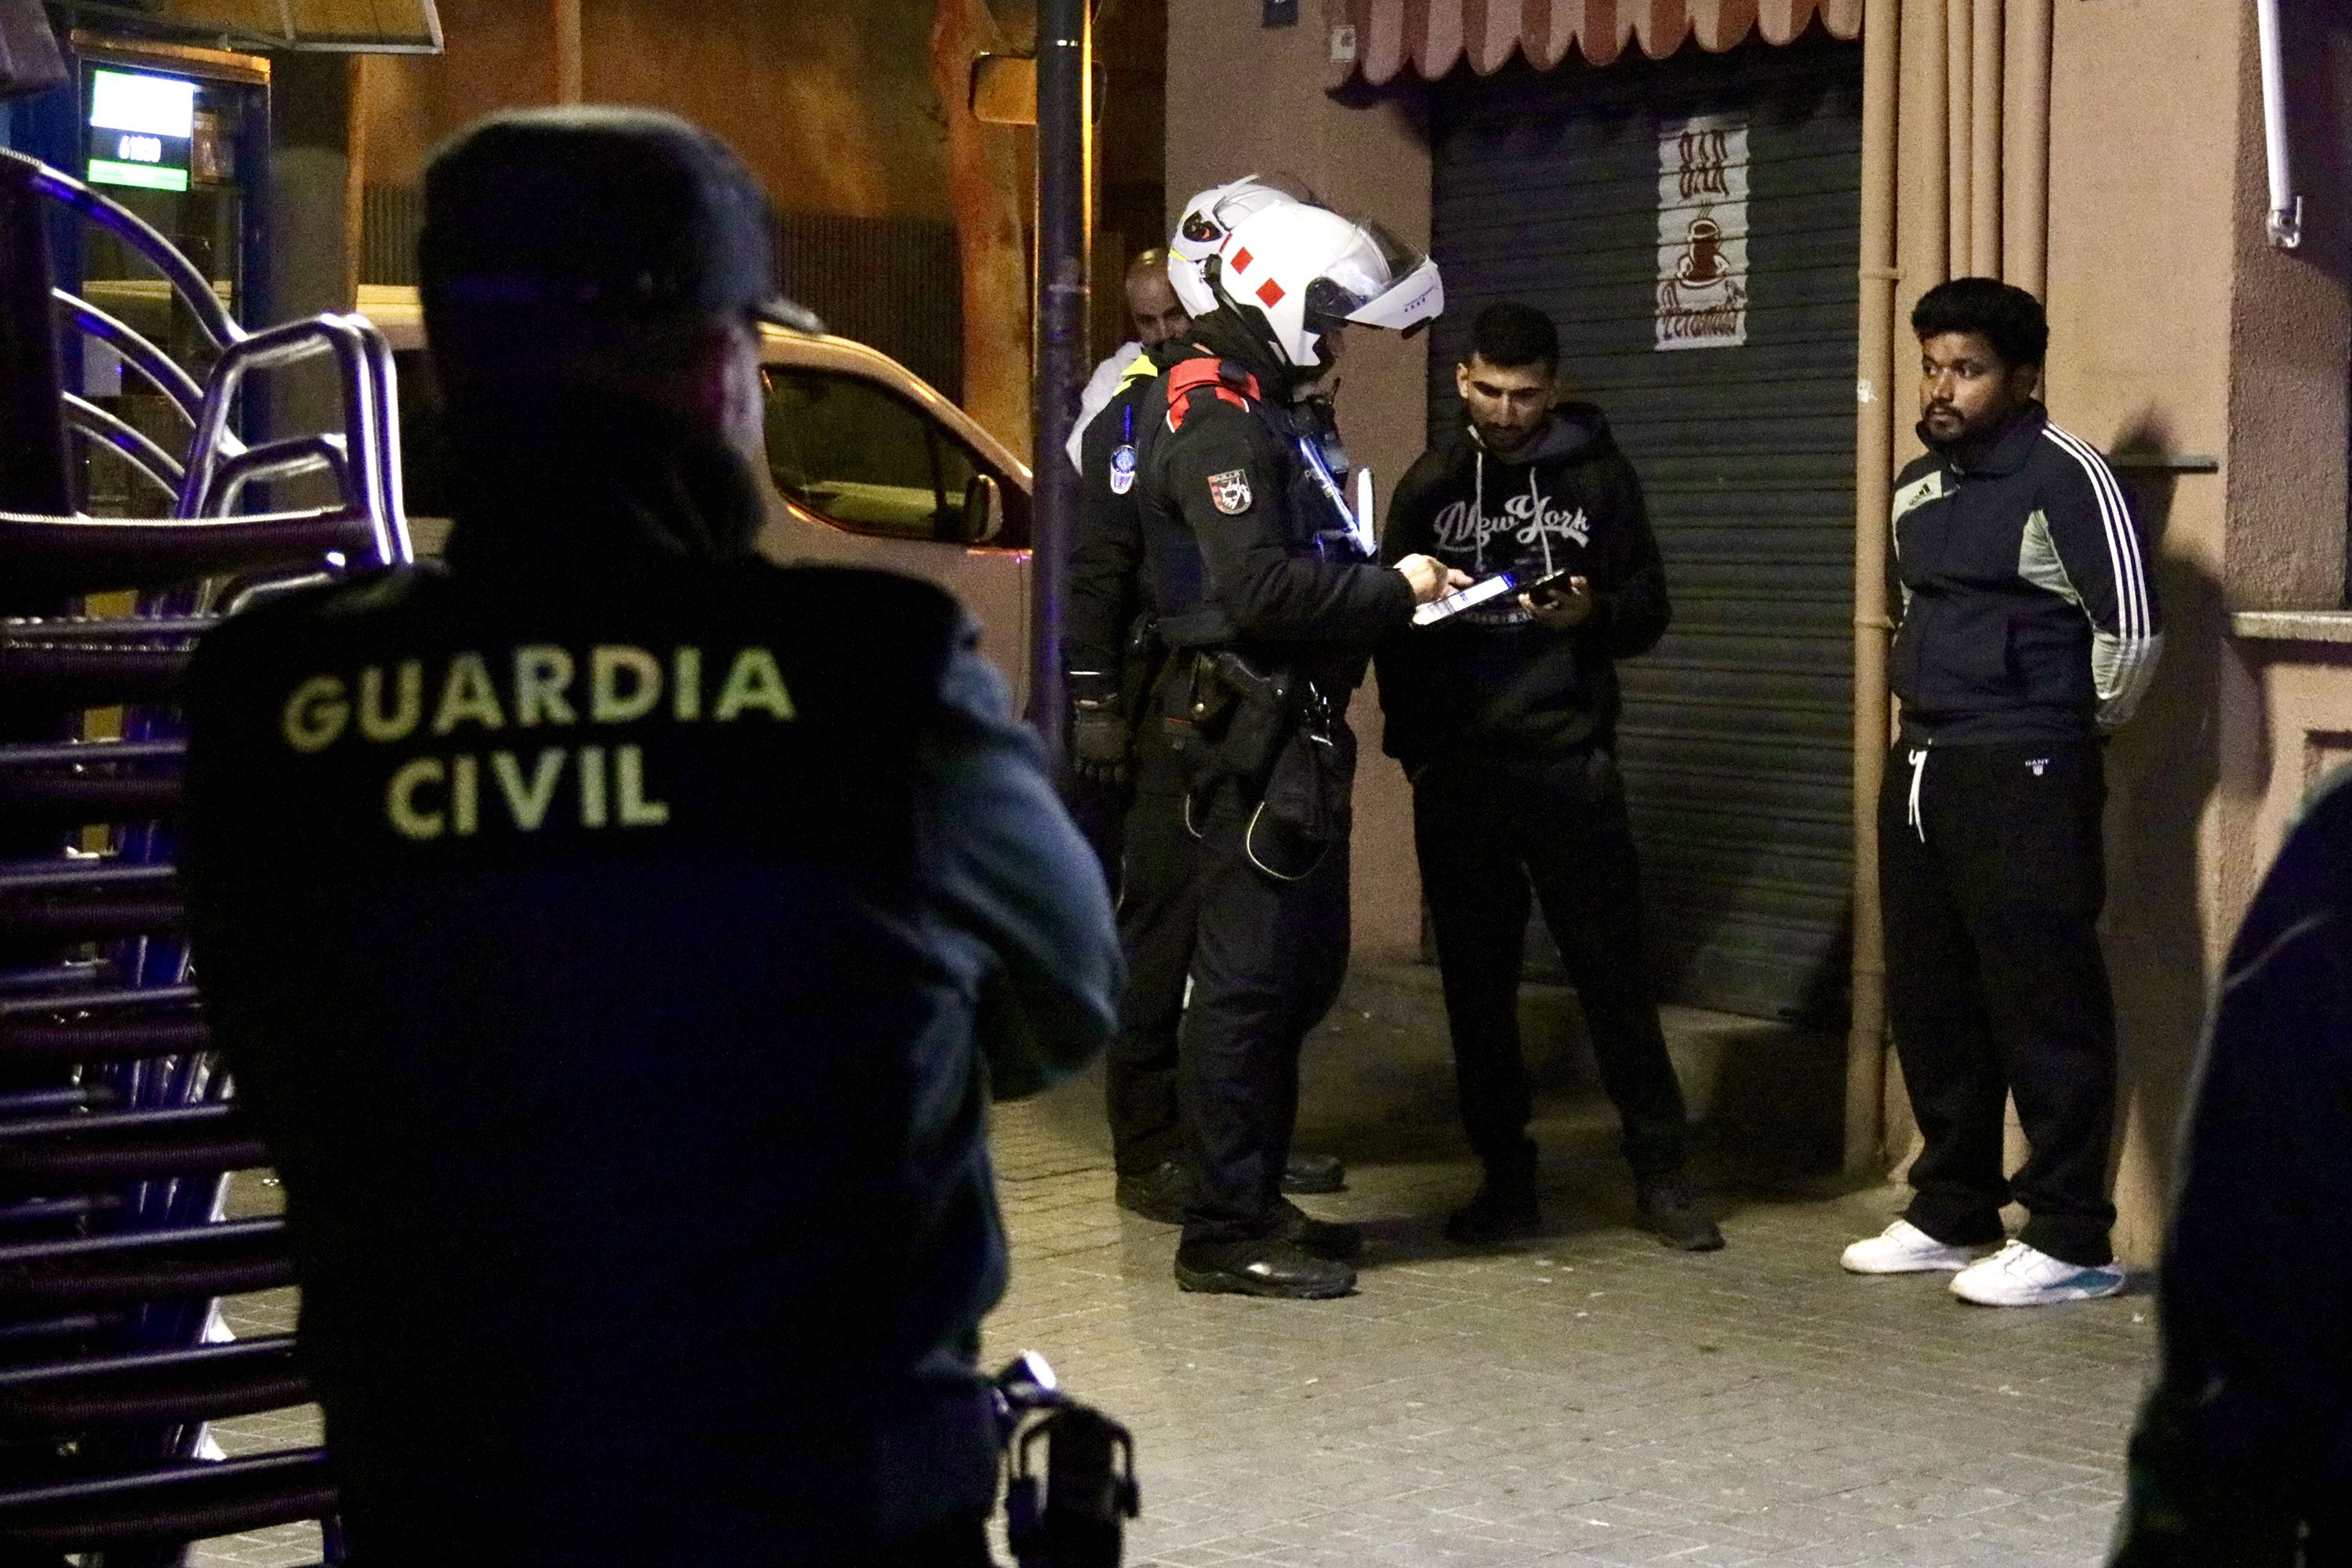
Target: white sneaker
pixel 1904 1249
pixel 2023 1276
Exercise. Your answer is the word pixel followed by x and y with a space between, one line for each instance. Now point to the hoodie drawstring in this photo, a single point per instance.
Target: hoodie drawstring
pixel 1918 775
pixel 1478 506
pixel 1536 510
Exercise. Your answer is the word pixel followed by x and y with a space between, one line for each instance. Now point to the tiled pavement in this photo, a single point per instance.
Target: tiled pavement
pixel 1589 1399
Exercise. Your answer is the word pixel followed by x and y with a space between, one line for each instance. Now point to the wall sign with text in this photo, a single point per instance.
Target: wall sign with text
pixel 1703 232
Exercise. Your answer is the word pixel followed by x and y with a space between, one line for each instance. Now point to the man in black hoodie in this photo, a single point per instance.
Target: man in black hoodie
pixel 618 937
pixel 1504 717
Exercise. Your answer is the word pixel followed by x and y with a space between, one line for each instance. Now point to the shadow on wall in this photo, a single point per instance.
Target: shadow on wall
pixel 2162 770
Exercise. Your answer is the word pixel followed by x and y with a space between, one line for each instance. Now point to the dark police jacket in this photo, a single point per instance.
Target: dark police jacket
pixel 2028 611
pixel 617 936
pixel 1230 519
pixel 2247 1438
pixel 1490 679
pixel 1109 587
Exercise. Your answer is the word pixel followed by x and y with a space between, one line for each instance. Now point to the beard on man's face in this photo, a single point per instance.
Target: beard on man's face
pixel 1506 439
pixel 1955 425
pixel 1944 423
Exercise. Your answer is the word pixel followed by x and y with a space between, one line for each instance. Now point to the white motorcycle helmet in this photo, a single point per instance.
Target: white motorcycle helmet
pixel 1294 271
pixel 1208 220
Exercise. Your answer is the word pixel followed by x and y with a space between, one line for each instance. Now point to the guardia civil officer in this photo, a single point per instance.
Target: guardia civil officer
pixel 618 937
pixel 1122 759
pixel 1270 608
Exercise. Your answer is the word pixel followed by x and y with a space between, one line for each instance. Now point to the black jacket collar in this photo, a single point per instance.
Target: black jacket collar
pixel 1219 334
pixel 2006 453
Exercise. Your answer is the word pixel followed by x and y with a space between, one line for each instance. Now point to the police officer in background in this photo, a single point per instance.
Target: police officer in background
pixel 1270 606
pixel 1105 605
pixel 1157 317
pixel 618 937
pixel 1115 655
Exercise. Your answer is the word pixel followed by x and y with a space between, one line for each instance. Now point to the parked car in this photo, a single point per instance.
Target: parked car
pixel 867 466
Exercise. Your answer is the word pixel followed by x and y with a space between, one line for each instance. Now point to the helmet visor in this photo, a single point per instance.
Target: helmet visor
pixel 1377 280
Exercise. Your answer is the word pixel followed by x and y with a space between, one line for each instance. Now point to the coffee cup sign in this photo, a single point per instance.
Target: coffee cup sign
pixel 1703 233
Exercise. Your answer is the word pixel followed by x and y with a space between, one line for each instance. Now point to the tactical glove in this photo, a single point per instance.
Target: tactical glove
pixel 1098 743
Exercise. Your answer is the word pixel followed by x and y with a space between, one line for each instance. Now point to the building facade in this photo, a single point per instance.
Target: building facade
pixel 1731 205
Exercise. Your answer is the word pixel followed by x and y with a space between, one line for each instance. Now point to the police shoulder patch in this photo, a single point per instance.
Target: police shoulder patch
pixel 1230 492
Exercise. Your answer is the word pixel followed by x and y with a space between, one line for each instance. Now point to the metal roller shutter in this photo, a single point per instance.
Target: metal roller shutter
pixel 1737 734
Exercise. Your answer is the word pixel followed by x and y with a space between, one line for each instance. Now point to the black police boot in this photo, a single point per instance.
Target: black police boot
pixel 1505 1209
pixel 1313 1174
pixel 1154 1194
pixel 1668 1208
pixel 1331 1239
pixel 1268 1266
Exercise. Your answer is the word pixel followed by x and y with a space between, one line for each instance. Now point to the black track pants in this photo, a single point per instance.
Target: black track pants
pixel 1266 968
pixel 963 1544
pixel 1992 870
pixel 1486 829
pixel 1158 911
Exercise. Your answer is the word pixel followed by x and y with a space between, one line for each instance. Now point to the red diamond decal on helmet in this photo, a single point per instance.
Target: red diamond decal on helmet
pixel 1242 259
pixel 1271 292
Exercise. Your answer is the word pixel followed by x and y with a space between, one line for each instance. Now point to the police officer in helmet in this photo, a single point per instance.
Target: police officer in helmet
pixel 617 936
pixel 1270 606
pixel 1123 754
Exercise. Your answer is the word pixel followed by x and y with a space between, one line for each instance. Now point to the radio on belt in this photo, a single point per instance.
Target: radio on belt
pixel 1480 592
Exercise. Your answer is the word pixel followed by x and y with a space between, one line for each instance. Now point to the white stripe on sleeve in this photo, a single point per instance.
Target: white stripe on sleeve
pixel 2123 661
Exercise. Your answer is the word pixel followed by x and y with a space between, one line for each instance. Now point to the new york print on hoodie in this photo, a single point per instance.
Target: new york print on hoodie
pixel 1492 679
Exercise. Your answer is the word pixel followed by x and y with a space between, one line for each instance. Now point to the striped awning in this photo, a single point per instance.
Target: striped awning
pixel 1378 39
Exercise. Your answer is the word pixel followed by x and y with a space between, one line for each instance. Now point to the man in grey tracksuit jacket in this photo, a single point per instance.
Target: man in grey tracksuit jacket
pixel 2029 633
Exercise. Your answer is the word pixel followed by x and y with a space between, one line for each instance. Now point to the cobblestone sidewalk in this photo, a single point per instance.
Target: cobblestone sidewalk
pixel 1591 1399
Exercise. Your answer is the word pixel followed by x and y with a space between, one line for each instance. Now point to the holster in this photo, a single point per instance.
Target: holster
pixel 1275 740
pixel 1227 721
pixel 1306 807
pixel 1138 671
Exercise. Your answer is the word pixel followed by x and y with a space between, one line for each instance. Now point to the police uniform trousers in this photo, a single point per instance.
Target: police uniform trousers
pixel 1268 961
pixel 1159 903
pixel 1992 873
pixel 1489 829
pixel 1100 812
pixel 961 1545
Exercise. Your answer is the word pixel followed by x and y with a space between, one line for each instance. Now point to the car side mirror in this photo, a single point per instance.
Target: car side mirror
pixel 984 510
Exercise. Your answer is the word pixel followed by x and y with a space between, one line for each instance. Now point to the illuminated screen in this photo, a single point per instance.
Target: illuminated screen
pixel 154 105
pixel 141 129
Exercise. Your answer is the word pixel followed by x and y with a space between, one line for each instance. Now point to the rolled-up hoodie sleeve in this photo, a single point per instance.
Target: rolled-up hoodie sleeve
pixel 1014 870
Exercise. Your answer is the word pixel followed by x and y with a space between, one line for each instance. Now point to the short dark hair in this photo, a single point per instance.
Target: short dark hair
pixel 2004 315
pixel 1508 335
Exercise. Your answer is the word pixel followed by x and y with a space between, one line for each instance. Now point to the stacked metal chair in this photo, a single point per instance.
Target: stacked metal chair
pixel 118 1124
